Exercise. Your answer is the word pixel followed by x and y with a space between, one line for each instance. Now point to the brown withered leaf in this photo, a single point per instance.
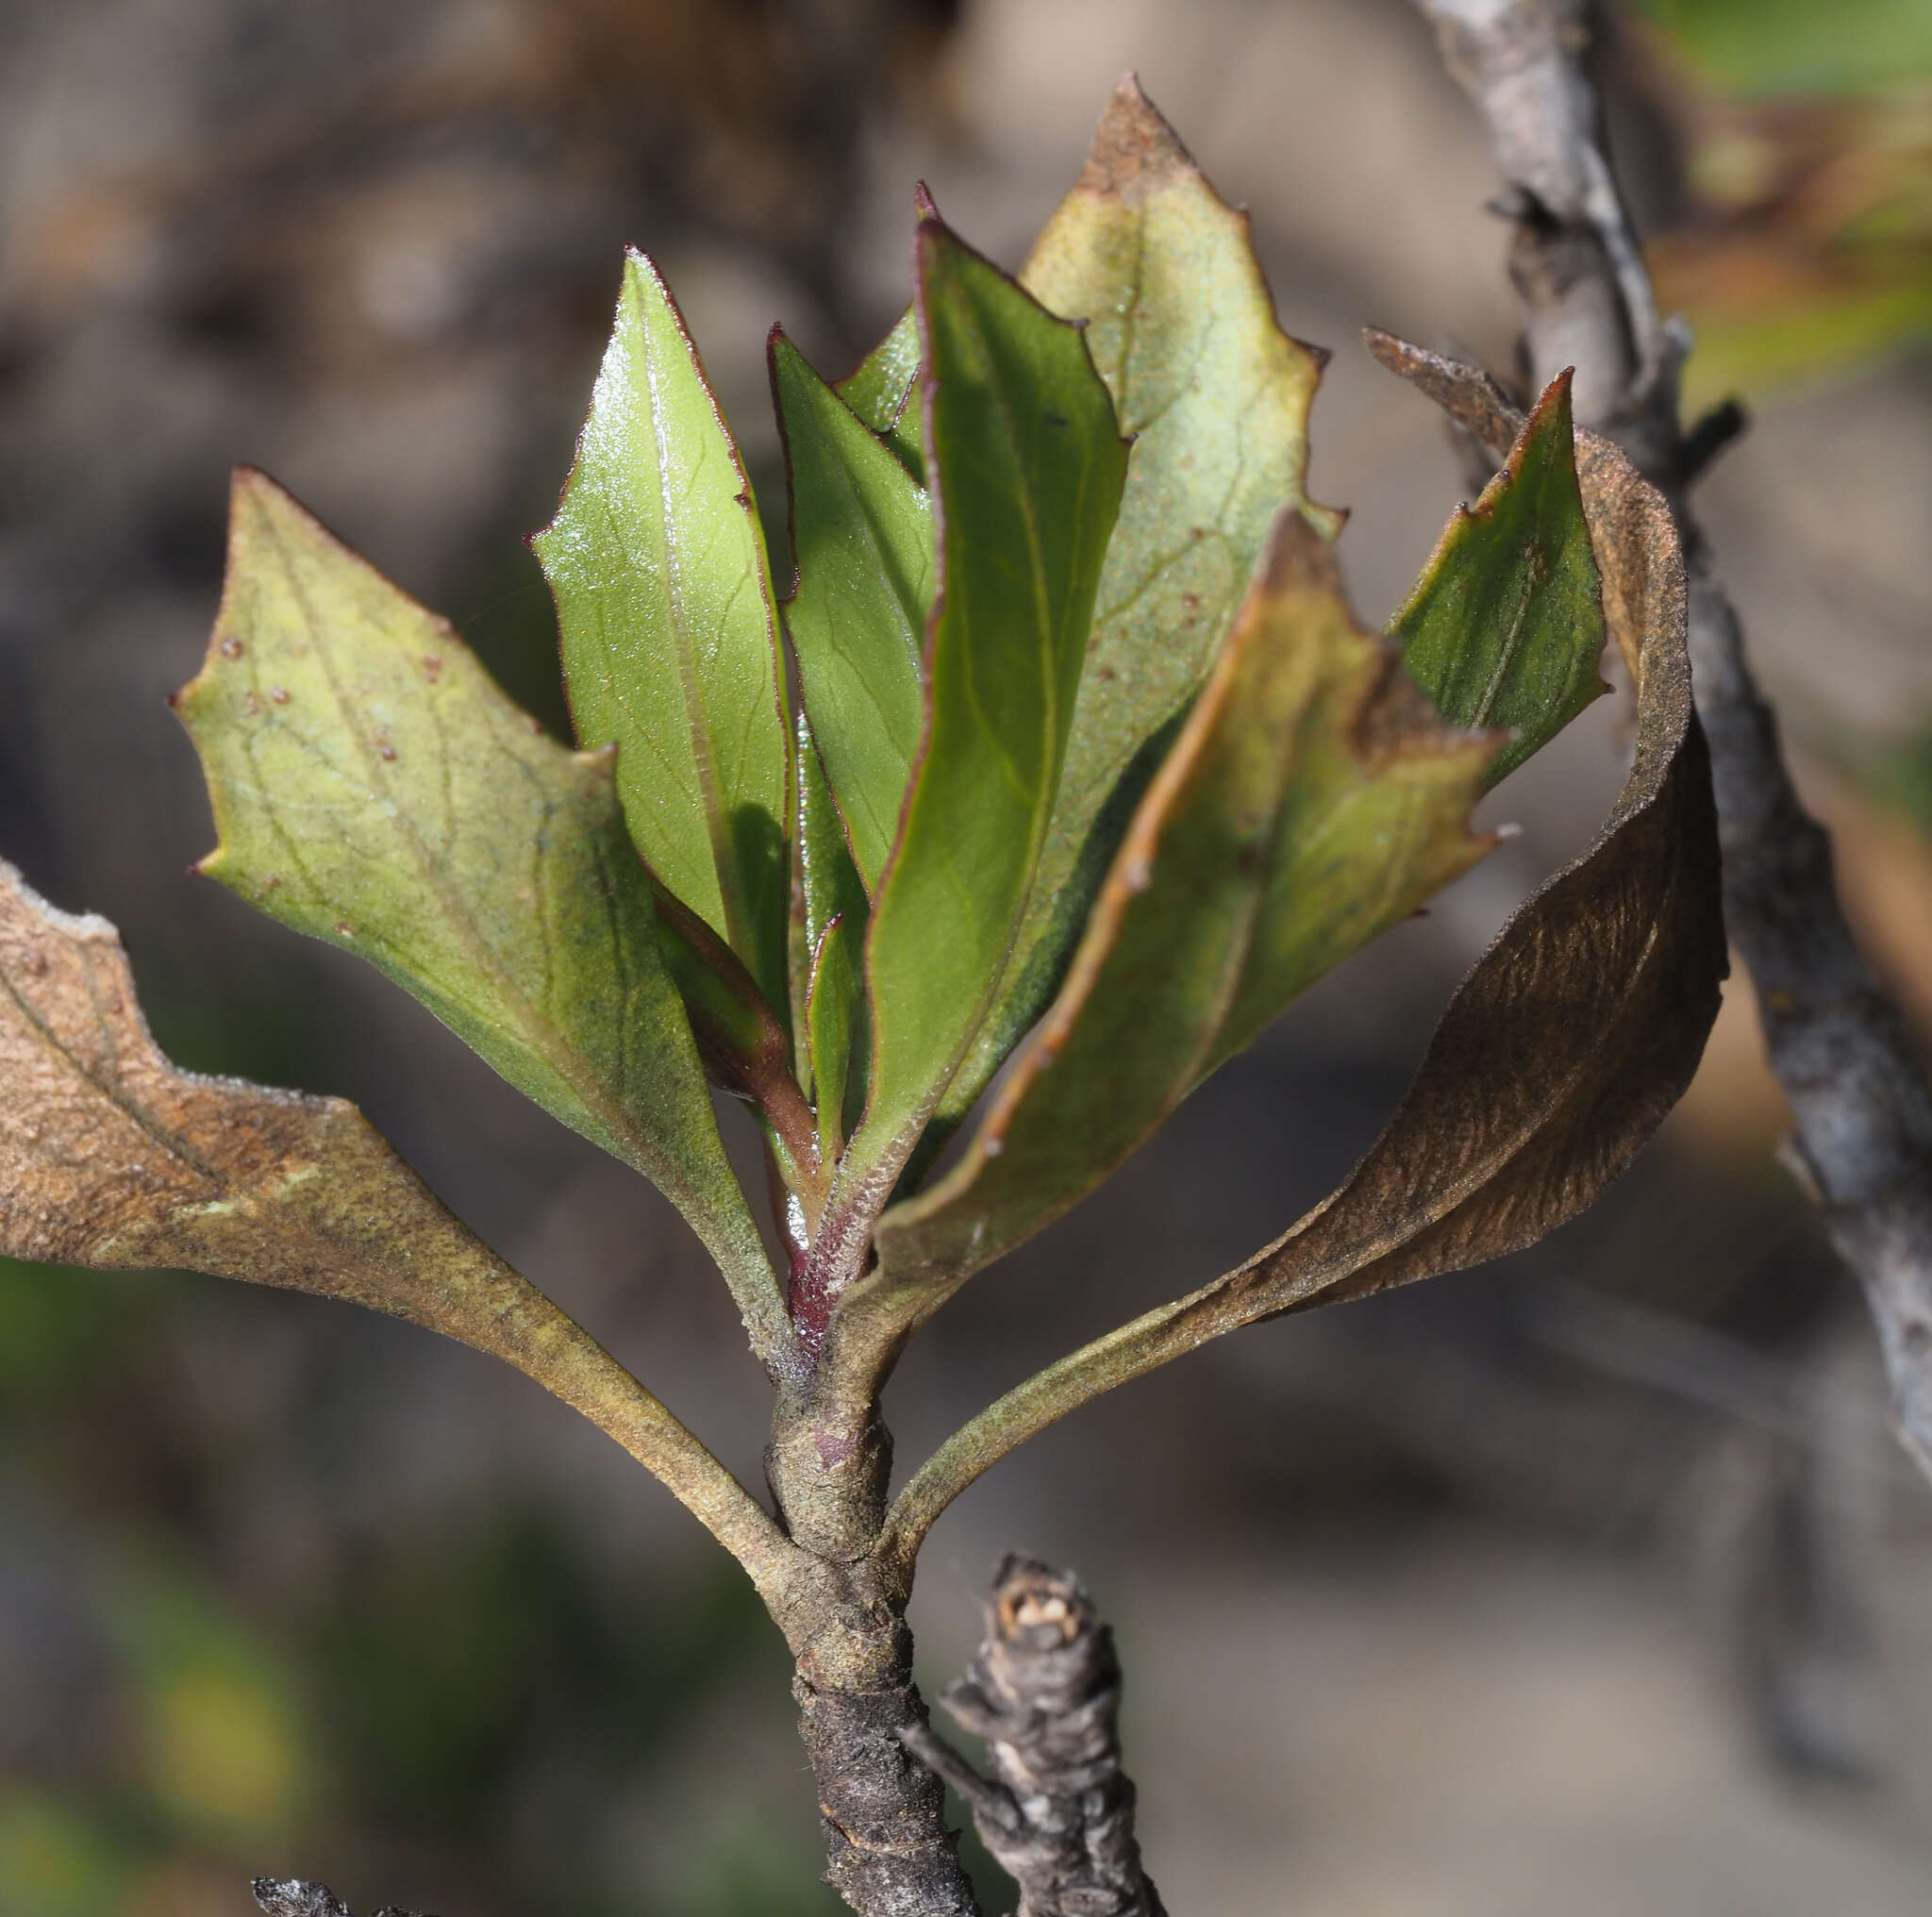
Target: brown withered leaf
pixel 1560 1055
pixel 112 1157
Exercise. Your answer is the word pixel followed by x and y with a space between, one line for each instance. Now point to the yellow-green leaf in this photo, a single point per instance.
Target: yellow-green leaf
pixel 372 786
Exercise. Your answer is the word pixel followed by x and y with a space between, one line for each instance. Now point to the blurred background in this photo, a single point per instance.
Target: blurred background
pixel 1590 1581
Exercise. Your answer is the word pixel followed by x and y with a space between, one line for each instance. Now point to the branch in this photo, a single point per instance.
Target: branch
pixel 290 1897
pixel 1043 1691
pixel 1858 1099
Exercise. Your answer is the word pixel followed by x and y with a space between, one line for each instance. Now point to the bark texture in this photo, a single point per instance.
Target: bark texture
pixel 290 1897
pixel 887 1850
pixel 1044 1693
pixel 1858 1093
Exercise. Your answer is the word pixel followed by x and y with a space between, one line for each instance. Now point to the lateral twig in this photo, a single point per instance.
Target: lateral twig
pixel 1043 1691
pixel 1861 1111
pixel 290 1897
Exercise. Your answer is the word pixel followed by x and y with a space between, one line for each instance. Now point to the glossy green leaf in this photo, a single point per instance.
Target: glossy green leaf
pixel 373 788
pixel 861 536
pixel 670 639
pixel 1028 467
pixel 1182 329
pixel 1505 625
pixel 882 394
pixel 1311 800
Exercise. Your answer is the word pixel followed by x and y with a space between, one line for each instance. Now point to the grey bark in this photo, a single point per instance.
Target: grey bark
pixel 888 1849
pixel 290 1897
pixel 1861 1109
pixel 1044 1692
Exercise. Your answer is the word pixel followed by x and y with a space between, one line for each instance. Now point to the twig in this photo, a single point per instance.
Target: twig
pixel 1858 1099
pixel 290 1897
pixel 1044 1692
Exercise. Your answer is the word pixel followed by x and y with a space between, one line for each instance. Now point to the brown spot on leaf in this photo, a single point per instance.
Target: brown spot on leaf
pixel 432 666
pixel 232 648
pixel 279 694
pixel 1135 152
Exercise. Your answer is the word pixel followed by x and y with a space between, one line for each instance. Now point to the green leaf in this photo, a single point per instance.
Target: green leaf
pixel 1028 467
pixel 833 913
pixel 1311 801
pixel 373 788
pixel 861 536
pixel 109 1157
pixel 882 394
pixel 670 640
pixel 1505 625
pixel 1182 329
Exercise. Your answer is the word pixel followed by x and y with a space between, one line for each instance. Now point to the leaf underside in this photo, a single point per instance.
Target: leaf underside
pixel 670 637
pixel 112 1157
pixel 372 786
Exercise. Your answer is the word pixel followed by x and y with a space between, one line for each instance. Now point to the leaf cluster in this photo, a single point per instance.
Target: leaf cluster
pixel 1060 769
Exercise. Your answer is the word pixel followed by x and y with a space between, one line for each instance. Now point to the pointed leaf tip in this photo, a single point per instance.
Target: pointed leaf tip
pixel 669 631
pixel 1505 627
pixel 372 786
pixel 1135 152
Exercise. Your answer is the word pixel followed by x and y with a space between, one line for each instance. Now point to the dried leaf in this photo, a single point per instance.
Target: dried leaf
pixel 372 786
pixel 112 1157
pixel 1182 329
pixel 1557 1060
pixel 670 637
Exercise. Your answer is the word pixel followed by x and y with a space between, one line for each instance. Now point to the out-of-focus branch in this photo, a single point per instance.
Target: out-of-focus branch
pixel 290 1897
pixel 1044 1693
pixel 1862 1111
